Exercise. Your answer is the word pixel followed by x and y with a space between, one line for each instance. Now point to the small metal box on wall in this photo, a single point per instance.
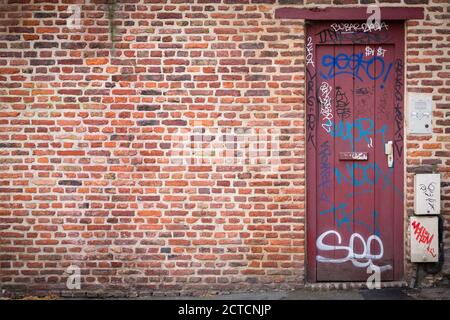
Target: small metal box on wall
pixel 420 113
pixel 424 239
pixel 427 194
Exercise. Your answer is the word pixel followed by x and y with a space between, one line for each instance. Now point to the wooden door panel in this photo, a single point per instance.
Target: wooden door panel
pixel 354 199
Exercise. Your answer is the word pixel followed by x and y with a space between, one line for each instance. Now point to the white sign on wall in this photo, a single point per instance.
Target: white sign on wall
pixel 420 114
pixel 427 194
pixel 424 239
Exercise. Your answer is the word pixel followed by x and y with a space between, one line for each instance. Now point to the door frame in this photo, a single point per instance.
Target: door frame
pixel 311 114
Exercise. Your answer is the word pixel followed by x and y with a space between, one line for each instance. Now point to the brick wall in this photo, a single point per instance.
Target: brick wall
pixel 428 71
pixel 91 121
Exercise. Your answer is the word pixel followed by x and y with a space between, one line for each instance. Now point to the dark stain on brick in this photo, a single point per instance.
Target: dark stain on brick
pixel 290 2
pixel 164 145
pixel 432 161
pixel 442 154
pixel 41 62
pixel 71 61
pixel 237 264
pixel 251 280
pixel 121 77
pixel 84 205
pixel 183 77
pixel 99 45
pixel 169 15
pixel 257 77
pixel 245 175
pixel 141 39
pixel 10 37
pixel 151 77
pixel 40 15
pixel 420 169
pixel 151 92
pixel 416 1
pixel 147 122
pixel 250 45
pixel 45 45
pixel 21 30
pixel 11 190
pixel 259 61
pixel 10 145
pixel 122 137
pixel 69 183
pixel 148 107
pixel 148 198
pixel 257 93
pixel 73 45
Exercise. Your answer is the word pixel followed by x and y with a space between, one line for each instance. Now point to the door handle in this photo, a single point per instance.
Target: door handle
pixel 388 150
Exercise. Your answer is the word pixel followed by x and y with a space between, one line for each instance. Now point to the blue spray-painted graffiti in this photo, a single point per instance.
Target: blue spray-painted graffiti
pixel 362 128
pixel 364 178
pixel 345 217
pixel 355 65
pixel 358 175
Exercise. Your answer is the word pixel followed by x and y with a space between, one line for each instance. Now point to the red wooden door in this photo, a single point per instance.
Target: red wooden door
pixel 355 197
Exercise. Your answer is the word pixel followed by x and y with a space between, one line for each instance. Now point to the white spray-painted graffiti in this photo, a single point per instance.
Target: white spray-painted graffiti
pixel 366 255
pixel 371 52
pixel 309 52
pixel 359 27
pixel 325 106
pixel 359 155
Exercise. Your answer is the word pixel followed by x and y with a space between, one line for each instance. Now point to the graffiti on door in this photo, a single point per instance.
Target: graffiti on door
pixel 325 106
pixel 332 35
pixel 362 128
pixel 344 216
pixel 311 115
pixel 356 65
pixel 325 171
pixel 361 259
pixel 354 106
pixel 343 110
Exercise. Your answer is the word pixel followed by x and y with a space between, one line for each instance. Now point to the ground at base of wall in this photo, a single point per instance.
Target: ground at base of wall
pixel 435 293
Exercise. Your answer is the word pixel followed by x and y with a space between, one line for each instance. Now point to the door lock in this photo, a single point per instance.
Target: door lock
pixel 388 150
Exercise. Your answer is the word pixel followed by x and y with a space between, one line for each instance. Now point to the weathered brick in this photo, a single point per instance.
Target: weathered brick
pixel 151 92
pixel 252 93
pixel 169 15
pixel 148 107
pixel 70 183
pixel 45 45
pixel 96 61
pixel 234 93
pixel 147 122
